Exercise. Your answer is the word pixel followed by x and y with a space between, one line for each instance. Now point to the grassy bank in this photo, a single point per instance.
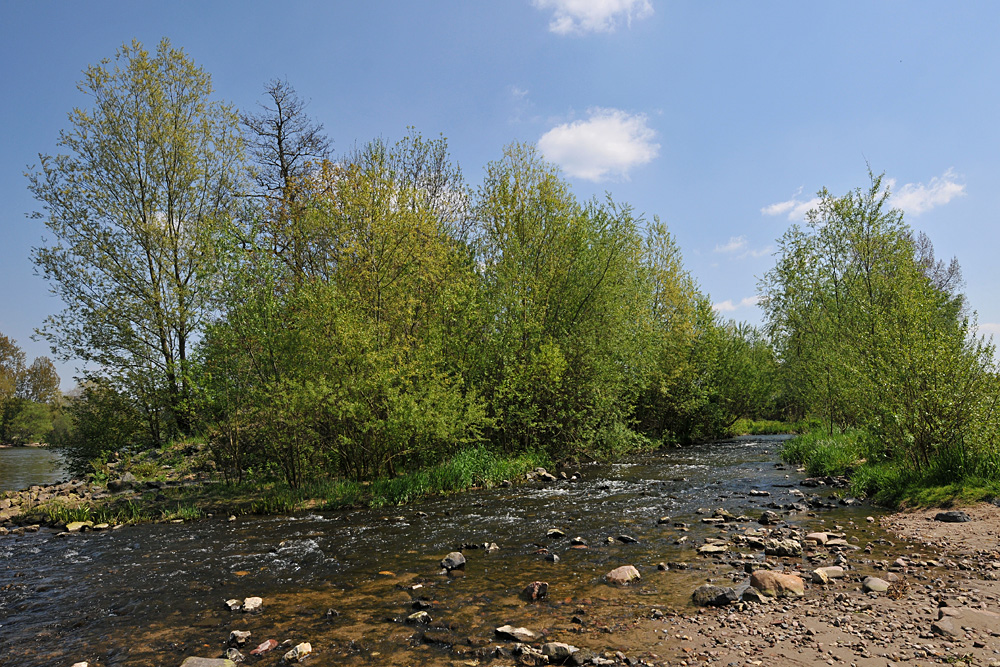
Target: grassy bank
pixel 471 468
pixel 888 481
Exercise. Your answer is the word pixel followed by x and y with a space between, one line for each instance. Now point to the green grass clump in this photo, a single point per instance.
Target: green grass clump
pixel 767 427
pixel 826 454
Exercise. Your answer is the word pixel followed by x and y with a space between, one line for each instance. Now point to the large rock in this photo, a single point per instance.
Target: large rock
pixel 517 634
pixel 77 526
pixel 769 518
pixel 558 652
pixel 453 561
pixel 824 575
pixel 300 651
pixel 785 547
pixel 536 590
pixel 623 576
pixel 956 516
pixel 777 584
pixel 818 538
pixel 875 585
pixel 207 662
pixel 126 482
pixel 713 549
pixel 252 604
pixel 708 595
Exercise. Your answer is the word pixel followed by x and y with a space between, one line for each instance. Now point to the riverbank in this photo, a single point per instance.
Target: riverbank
pixel 180 482
pixel 349 583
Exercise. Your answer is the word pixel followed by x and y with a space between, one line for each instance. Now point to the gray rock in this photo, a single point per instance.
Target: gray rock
pixel 419 618
pixel 945 628
pixel 558 652
pixel 300 651
pixel 252 604
pixel 627 539
pixel 769 518
pixel 124 483
pixel 239 637
pixel 708 595
pixel 453 561
pixel 875 585
pixel 517 634
pixel 207 662
pixel 786 547
pixel 956 516
pixel 235 655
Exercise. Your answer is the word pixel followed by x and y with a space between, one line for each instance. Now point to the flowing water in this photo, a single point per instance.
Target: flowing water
pixel 346 581
pixel 20 467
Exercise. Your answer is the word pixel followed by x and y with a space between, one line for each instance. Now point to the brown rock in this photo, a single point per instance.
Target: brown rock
pixel 623 576
pixel 777 584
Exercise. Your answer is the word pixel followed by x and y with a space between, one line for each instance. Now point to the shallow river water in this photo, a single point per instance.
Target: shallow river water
pixel 346 581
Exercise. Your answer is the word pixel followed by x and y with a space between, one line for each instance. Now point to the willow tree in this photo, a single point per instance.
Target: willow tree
pixel 132 206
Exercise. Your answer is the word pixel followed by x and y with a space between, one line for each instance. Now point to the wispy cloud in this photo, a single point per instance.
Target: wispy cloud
pixel 521 104
pixel 795 207
pixel 605 146
pixel 583 16
pixel 915 198
pixel 735 243
pixel 728 306
pixel 738 244
pixel 912 198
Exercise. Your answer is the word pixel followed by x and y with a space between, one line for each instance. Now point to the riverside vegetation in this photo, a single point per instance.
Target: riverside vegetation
pixel 371 326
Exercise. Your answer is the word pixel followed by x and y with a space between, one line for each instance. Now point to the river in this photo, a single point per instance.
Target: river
pixel 20 467
pixel 346 581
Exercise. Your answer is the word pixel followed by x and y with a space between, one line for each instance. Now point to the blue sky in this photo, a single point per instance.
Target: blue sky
pixel 722 118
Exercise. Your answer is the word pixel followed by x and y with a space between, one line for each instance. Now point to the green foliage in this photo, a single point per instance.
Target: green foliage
pixel 29 396
pixel 872 334
pixel 133 207
pixel 104 421
pixel 563 302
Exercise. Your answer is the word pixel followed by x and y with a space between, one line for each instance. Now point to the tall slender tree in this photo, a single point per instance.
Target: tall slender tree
pixel 132 206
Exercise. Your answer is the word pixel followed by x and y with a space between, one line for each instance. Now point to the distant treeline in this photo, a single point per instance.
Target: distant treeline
pixel 368 313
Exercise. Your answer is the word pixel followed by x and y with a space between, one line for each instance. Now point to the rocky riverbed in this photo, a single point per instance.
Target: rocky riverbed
pixel 598 570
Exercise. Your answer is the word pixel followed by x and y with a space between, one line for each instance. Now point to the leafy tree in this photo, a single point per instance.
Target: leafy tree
pixel 873 331
pixel 563 299
pixel 133 206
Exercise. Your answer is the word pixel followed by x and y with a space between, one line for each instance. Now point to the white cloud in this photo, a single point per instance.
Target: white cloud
pixel 989 329
pixel 912 198
pixel 728 306
pixel 583 16
pixel 915 198
pixel 735 243
pixel 794 207
pixel 606 145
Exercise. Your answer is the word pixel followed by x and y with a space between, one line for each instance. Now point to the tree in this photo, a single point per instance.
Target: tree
pixel 563 306
pixel 873 330
pixel 286 145
pixel 133 207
